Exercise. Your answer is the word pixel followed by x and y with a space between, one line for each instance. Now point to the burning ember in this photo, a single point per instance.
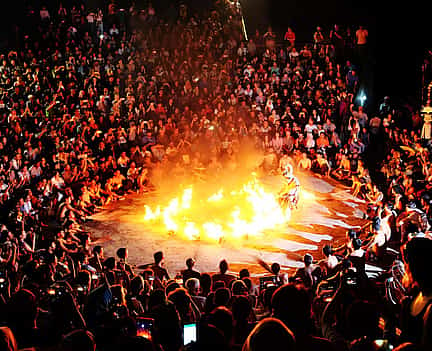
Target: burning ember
pixel 200 214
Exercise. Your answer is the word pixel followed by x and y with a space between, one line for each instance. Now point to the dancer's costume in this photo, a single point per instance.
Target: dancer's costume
pixel 289 194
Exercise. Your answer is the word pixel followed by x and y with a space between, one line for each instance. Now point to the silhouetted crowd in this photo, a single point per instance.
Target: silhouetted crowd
pixel 97 103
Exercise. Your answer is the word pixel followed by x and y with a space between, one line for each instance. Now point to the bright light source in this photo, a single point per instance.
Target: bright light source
pixel 361 98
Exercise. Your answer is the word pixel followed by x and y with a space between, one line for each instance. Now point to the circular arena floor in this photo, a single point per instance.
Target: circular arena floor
pixel 321 218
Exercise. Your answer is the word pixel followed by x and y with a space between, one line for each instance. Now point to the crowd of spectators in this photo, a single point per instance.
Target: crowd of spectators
pixel 95 103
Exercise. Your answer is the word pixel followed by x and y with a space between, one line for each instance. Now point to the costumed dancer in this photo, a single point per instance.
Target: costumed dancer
pixel 289 194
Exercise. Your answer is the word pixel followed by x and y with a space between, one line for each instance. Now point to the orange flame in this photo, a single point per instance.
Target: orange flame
pixel 245 212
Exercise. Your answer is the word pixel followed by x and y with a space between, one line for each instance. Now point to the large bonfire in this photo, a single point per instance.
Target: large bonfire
pixel 198 213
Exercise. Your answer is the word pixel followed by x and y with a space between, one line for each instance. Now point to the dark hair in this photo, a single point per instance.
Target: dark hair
pixel 308 259
pixel 238 287
pixel 275 268
pixel 158 257
pixel 416 254
pixel 362 318
pixel 222 318
pixel 211 338
pixel 171 286
pixel 270 334
pixel 205 282
pixel 248 282
pixel 218 284
pixel 109 263
pixel 241 308
pixel 223 266
pixel 327 250
pixel 22 308
pixel 97 249
pixel 291 304
pixel 222 297
pixel 136 285
pixel 190 263
pixel 121 253
pixel 79 339
pixel 356 243
pixel 244 273
pixel 352 234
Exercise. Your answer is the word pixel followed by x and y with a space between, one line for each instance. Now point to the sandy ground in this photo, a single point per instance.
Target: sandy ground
pixel 319 219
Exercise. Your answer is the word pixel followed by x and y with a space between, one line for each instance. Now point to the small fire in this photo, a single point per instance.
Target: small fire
pixel 236 213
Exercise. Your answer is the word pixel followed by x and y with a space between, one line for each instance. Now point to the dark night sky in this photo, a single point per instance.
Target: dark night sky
pixel 398 34
pixel 398 31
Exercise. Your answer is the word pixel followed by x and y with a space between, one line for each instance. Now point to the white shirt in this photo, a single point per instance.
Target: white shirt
pixel 331 262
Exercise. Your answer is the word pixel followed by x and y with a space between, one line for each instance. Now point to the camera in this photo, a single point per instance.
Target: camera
pixel 266 282
pixel 350 277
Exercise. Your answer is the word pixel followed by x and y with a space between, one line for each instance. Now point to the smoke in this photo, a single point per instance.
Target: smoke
pixel 207 170
pixel 214 194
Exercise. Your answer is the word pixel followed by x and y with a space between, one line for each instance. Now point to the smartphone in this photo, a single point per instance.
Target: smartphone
pixel 144 327
pixel 189 333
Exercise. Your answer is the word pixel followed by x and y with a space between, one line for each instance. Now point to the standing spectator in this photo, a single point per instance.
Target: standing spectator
pixel 361 41
pixel 290 37
pixel 189 272
pixel 270 38
pixel 426 132
pixel 318 38
pixel 160 273
pixel 222 275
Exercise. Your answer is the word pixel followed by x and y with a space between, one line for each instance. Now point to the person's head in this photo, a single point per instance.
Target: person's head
pixel 351 234
pixel 190 262
pixel 136 285
pixel 241 308
pixel 291 304
pixel 7 340
pixel 416 256
pixel 356 243
pixel 376 223
pixel 244 273
pixel 308 259
pixel 78 340
pixel 205 282
pixel 193 286
pixel 239 288
pixel 223 266
pixel 222 318
pixel 222 297
pixel 157 297
pixel 109 263
pixel 270 334
pixel 327 250
pixel 275 268
pixel 122 253
pixel 22 309
pixel 158 257
pixel 362 319
pixel 181 299
pixel 98 251
pixel 211 338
